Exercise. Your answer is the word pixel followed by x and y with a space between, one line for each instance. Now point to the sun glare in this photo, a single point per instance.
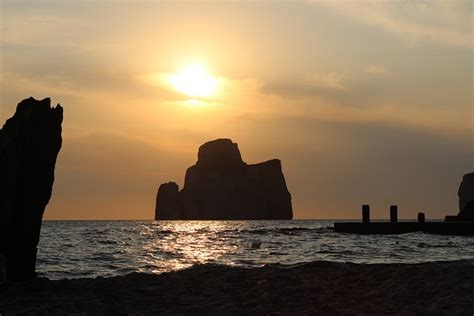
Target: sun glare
pixel 194 81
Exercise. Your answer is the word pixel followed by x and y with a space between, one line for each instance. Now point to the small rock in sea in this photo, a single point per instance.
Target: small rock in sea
pixel 256 245
pixel 421 245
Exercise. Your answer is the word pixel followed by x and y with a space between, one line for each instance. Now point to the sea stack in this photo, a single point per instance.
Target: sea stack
pixel 221 186
pixel 466 198
pixel 29 144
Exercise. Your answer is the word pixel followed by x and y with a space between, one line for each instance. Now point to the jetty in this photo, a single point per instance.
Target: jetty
pixel 449 227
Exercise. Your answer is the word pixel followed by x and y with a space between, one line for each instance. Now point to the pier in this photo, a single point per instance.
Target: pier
pixel 393 226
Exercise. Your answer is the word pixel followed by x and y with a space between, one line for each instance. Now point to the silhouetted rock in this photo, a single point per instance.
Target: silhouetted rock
pixel 466 197
pixel 221 186
pixel 467 214
pixel 29 144
pixel 167 201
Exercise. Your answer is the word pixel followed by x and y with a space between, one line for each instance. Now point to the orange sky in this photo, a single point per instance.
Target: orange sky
pixel 363 103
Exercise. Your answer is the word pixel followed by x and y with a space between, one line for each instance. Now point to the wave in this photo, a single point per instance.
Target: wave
pixel 285 230
pixel 447 245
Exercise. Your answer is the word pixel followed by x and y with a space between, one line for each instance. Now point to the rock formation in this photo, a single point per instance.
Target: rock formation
pixel 29 144
pixel 221 186
pixel 466 198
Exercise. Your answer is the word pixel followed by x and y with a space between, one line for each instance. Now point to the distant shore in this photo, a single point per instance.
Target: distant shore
pixel 323 287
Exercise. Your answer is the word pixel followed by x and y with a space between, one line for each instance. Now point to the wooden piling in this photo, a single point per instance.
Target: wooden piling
pixel 421 217
pixel 393 213
pixel 366 213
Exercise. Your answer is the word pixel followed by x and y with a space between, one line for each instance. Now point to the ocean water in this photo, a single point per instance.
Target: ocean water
pixel 74 249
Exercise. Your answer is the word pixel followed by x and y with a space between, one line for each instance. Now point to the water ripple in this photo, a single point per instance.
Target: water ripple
pixel 73 249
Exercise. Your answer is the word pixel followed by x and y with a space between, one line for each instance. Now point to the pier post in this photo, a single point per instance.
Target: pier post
pixel 393 213
pixel 366 213
pixel 421 218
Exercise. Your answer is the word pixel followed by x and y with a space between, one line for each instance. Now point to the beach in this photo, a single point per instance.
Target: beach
pixel 317 287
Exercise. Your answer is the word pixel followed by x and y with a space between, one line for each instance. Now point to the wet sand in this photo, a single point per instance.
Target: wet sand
pixel 317 287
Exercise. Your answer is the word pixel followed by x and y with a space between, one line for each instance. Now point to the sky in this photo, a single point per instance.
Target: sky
pixel 363 101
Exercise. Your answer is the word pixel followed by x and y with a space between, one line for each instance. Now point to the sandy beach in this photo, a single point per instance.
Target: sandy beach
pixel 317 287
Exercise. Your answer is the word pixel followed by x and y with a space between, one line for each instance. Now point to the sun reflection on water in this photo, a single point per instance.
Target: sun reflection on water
pixel 185 243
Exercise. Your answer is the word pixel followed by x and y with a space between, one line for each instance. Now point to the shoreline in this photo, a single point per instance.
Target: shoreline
pixel 318 287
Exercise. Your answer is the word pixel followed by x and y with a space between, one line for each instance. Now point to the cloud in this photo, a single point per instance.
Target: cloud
pixel 317 84
pixel 330 80
pixel 445 22
pixel 347 106
pixel 377 70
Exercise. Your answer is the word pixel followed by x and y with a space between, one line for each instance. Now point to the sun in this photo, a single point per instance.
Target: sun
pixel 194 81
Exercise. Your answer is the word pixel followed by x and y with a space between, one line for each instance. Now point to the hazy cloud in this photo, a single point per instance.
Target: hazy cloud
pixel 447 22
pixel 317 84
pixel 377 70
pixel 330 80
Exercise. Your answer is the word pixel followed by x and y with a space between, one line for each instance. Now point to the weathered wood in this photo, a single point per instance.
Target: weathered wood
pixel 421 217
pixel 441 228
pixel 449 228
pixel 366 213
pixel 393 213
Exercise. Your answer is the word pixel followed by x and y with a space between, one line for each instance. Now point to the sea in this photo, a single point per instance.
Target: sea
pixel 89 249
